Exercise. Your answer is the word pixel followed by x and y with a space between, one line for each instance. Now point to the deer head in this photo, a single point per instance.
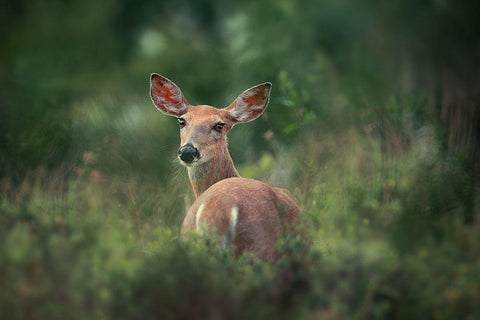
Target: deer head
pixel 203 128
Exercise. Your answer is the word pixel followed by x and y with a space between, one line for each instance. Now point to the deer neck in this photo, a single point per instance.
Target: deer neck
pixel 207 174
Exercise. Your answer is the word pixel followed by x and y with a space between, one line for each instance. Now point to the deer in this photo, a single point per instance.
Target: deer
pixel 246 214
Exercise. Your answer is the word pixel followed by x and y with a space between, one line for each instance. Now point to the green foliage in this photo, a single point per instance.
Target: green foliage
pixel 373 125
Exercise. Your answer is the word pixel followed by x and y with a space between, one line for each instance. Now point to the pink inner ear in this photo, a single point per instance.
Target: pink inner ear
pixel 167 94
pixel 253 100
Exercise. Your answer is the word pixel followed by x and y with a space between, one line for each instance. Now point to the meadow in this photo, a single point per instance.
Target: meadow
pixel 373 125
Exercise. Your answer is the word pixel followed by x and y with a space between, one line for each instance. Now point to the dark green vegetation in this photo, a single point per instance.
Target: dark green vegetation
pixel 373 125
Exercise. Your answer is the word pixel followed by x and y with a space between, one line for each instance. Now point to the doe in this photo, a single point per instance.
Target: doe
pixel 245 213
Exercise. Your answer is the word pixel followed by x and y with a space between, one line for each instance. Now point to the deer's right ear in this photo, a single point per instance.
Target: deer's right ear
pixel 167 96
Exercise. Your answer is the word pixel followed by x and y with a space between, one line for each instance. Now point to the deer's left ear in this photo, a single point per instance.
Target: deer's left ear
pixel 250 104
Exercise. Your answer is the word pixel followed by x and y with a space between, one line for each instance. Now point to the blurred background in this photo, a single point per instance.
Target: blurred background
pixel 373 124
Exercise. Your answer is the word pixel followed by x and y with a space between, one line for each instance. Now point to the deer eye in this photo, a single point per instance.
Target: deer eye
pixel 181 122
pixel 218 127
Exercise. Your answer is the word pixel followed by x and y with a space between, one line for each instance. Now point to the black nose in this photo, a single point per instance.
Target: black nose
pixel 188 153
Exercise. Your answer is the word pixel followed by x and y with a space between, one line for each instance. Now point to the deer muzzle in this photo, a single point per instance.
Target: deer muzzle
pixel 188 153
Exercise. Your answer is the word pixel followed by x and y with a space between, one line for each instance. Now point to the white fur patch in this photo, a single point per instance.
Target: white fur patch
pixel 233 223
pixel 228 238
pixel 259 107
pixel 197 218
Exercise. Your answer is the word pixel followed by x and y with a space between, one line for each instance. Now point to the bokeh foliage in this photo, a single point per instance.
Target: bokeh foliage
pixel 373 124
